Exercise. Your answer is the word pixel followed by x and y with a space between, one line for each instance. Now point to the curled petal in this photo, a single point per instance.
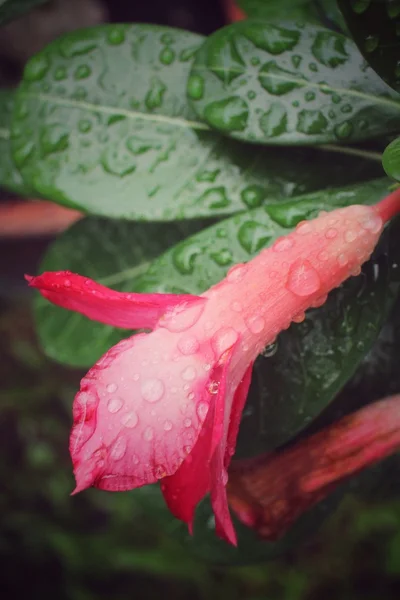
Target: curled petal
pixel 97 302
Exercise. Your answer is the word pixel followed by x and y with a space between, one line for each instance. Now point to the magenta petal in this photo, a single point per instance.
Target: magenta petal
pixel 97 302
pixel 191 482
pixel 239 402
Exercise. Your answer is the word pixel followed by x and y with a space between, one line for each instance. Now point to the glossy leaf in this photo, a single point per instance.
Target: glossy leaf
pixel 11 9
pixel 101 123
pixel 314 359
pixel 375 27
pixel 275 10
pixel 289 84
pixel 10 177
pixel 391 159
pixel 114 253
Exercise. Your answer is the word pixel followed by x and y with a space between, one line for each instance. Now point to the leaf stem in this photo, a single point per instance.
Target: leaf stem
pixel 368 154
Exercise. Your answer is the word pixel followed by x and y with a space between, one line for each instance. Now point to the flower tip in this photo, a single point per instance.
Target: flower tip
pixel 389 206
pixel 29 278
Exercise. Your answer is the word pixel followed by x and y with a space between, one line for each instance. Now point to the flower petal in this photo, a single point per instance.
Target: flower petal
pixel 97 302
pixel 137 417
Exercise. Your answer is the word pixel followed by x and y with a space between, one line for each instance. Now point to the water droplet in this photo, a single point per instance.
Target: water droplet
pixel 214 198
pixel 283 244
pixel 84 125
pixel 270 349
pixel 159 471
pixel 343 130
pixel 184 257
pixel 111 388
pixel 372 223
pixel 303 279
pixel 195 87
pixel 278 81
pixel 329 49
pixel 371 43
pixel 255 61
pixel 253 236
pixel 331 233
pixel 213 387
pixel 152 390
pixel 256 324
pixel 148 434
pixel 224 477
pixel 296 60
pixel 208 176
pixel 167 56
pixel 116 35
pixel 202 410
pixel 154 96
pixel 272 38
pixel 299 318
pixel 180 317
pixel 189 373
pixel 311 122
pixel 309 96
pixel 313 67
pixel 130 420
pixel 118 449
pixel 187 422
pixel 251 95
pixel 188 345
pixel 346 108
pixel 114 404
pixel 223 257
pixel 82 72
pixel 167 426
pixel 304 228
pixel 37 67
pixel 253 196
pixel 187 449
pixel 223 339
pixel 236 307
pixel 236 273
pixel 323 256
pixel 319 301
pixel 230 114
pixel 274 121
pixel 67 283
pixel 342 260
pixel 60 74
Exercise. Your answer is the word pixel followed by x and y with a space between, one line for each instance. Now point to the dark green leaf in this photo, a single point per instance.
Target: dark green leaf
pixel 391 159
pixel 375 27
pixel 278 10
pixel 88 131
pixel 113 253
pixel 11 9
pixel 9 175
pixel 295 85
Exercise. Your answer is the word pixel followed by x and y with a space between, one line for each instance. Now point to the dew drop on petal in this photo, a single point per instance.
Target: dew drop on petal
pixel 187 422
pixel 350 236
pixel 323 256
pixel 236 273
pixel 152 390
pixel 213 387
pixel 188 345
pixel 67 283
pixel 187 449
pixel 342 260
pixel 303 279
pixel 189 373
pixel 159 471
pixel 118 449
pixel 304 228
pixel 283 244
pixel 167 426
pixel 114 404
pixel 319 301
pixel 224 477
pixel 223 339
pixel 112 387
pixel 148 434
pixel 299 318
pixel 331 233
pixel 256 324
pixel 373 223
pixel 130 420
pixel 270 349
pixel 202 410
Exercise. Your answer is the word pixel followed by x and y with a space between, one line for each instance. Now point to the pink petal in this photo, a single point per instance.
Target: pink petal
pixel 238 405
pixel 97 302
pixel 138 413
pixel 191 482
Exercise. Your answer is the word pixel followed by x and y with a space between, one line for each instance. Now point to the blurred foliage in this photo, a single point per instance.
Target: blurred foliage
pixel 98 545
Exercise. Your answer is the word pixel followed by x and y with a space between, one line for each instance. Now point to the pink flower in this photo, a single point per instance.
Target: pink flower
pixel 166 405
pixel 270 492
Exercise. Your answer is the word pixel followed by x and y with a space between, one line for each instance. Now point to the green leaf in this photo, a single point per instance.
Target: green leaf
pixel 296 85
pixel 277 10
pixel 391 159
pixel 88 132
pixel 375 27
pixel 11 9
pixel 114 253
pixel 10 178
